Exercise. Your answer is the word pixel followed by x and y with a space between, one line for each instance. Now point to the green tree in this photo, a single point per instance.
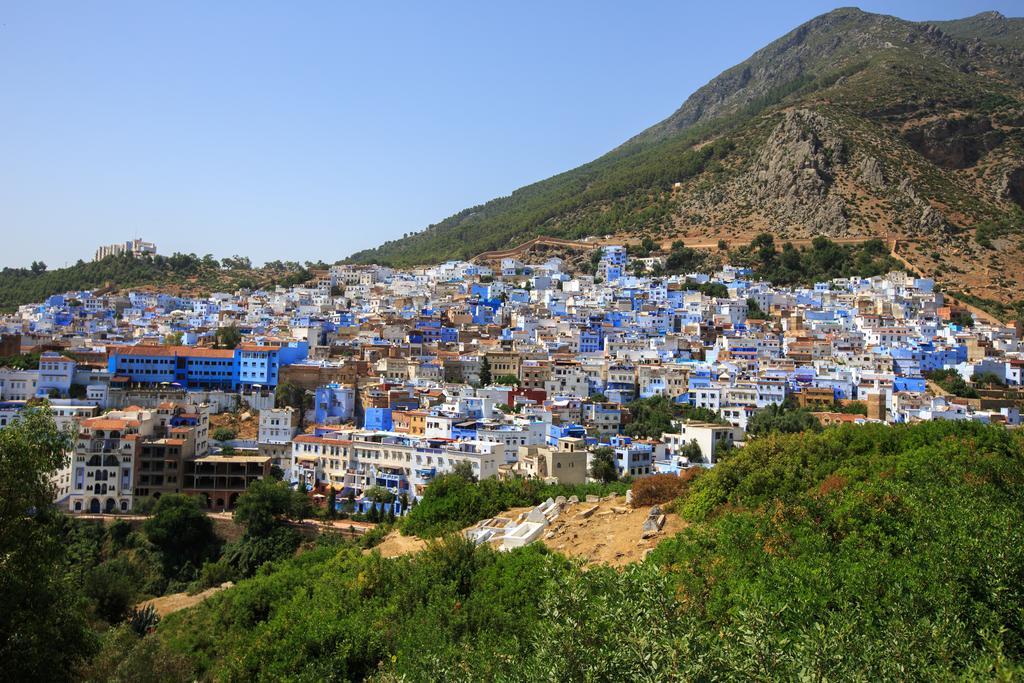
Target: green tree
pixel 267 504
pixel 485 372
pixel 652 417
pixel 507 380
pixel 332 500
pixel 464 470
pixel 290 395
pixel 691 451
pixel 784 418
pixel 988 380
pixel 111 590
pixel 602 465
pixel 227 337
pixel 682 259
pixel 174 338
pixel 182 532
pixel 43 633
pixel 754 311
pixel 265 510
pixel 951 381
pixel 124 656
pixel 236 262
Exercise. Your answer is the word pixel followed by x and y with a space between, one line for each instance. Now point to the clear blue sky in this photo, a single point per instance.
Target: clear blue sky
pixel 309 130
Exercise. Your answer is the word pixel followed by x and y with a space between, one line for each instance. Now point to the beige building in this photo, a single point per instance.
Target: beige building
pixel 504 363
pixel 564 464
pixel 103 466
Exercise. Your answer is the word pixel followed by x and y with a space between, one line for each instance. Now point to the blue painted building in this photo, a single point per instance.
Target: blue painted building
pixel 378 419
pixel 556 432
pixel 613 262
pixel 193 367
pixel 333 403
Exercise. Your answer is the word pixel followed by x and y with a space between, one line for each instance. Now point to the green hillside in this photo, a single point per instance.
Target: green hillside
pixel 183 273
pixel 860 553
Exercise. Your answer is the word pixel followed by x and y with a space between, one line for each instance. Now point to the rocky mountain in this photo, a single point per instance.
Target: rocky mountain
pixel 852 125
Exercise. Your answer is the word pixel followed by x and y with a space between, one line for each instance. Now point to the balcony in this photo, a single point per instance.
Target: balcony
pixel 101 445
pixel 426 474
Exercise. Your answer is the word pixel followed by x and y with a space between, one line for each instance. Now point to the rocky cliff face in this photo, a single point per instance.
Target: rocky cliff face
pixel 957 142
pixel 794 174
pixel 1012 187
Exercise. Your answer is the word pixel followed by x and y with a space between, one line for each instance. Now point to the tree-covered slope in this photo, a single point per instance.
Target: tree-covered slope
pixel 853 124
pixel 860 553
pixel 185 273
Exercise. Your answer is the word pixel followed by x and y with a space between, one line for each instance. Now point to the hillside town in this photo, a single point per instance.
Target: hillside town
pixel 369 377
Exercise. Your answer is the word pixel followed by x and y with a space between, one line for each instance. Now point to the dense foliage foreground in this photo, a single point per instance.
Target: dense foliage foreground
pixel 859 553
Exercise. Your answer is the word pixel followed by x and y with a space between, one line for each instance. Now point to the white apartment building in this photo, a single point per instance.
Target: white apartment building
pixel 709 436
pixel 356 460
pixel 18 385
pixel 103 465
pixel 277 425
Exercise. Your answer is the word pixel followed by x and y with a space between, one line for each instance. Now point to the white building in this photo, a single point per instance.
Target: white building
pixel 353 461
pixel 710 436
pixel 103 466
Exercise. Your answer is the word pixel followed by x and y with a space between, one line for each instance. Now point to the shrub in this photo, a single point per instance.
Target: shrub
pixel 142 620
pixel 214 574
pixel 124 656
pixel 110 587
pixel 182 532
pixel 857 553
pixel 657 489
pixel 223 434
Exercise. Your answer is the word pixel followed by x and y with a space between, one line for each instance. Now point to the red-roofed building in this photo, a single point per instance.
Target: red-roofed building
pixel 106 456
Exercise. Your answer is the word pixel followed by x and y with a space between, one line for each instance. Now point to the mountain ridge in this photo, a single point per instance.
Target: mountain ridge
pixel 926 123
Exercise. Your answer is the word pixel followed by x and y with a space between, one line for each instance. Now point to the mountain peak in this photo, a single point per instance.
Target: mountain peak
pixel 852 125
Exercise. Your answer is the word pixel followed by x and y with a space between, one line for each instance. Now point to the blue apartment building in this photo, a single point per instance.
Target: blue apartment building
pixel 613 262
pixel 192 367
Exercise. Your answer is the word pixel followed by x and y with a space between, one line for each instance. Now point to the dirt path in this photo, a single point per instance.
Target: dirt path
pixel 395 544
pixel 529 244
pixel 168 604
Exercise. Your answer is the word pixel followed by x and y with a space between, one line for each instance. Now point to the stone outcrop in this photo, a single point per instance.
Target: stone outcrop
pixel 870 171
pixel 795 171
pixel 932 221
pixel 1012 186
pixel 954 142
